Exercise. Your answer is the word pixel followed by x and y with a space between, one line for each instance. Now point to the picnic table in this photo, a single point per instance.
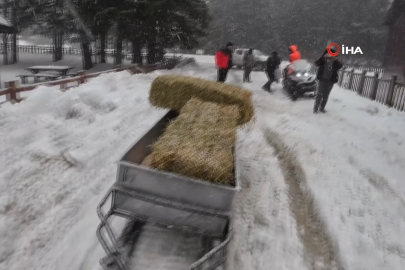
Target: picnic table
pixel 37 77
pixel 62 70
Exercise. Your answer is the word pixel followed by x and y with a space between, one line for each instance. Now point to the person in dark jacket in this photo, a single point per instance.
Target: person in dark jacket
pixel 248 64
pixel 223 61
pixel 273 62
pixel 327 76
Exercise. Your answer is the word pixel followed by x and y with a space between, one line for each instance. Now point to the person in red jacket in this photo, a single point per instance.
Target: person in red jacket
pixel 223 61
pixel 294 56
pixel 294 53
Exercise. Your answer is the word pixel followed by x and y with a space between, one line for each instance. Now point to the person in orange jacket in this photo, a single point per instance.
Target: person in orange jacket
pixel 295 55
pixel 223 61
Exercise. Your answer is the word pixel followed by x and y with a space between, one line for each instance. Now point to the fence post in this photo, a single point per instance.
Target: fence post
pixel 82 75
pixel 351 79
pixel 341 75
pixel 63 86
pixel 390 94
pixel 374 88
pixel 361 83
pixel 13 96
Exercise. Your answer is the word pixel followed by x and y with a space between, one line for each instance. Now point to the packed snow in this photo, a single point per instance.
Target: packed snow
pixel 58 151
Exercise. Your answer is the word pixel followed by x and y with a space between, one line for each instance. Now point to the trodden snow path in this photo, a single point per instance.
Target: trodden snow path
pixel 318 191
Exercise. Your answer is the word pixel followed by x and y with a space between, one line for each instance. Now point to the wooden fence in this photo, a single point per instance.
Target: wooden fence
pixel 35 49
pixel 379 70
pixel 13 90
pixel 389 92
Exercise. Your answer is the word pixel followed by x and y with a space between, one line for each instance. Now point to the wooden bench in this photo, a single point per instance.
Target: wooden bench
pixel 75 74
pixel 37 77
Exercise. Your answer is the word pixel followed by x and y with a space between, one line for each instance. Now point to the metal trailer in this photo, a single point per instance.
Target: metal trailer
pixel 147 196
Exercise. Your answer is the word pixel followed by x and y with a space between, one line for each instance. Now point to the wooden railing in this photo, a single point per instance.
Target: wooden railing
pixel 389 92
pixel 13 90
pixel 35 49
pixel 379 70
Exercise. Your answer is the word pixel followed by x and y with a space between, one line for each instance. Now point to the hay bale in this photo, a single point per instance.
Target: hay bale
pixel 199 142
pixel 147 161
pixel 173 92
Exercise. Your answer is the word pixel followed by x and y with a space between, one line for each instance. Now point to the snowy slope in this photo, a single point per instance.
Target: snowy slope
pixel 353 158
pixel 59 151
pixel 318 191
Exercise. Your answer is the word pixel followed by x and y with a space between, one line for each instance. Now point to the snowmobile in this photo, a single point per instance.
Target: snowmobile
pixel 299 80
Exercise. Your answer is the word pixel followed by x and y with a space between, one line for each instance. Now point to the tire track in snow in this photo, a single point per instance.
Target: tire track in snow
pixel 265 230
pixel 317 243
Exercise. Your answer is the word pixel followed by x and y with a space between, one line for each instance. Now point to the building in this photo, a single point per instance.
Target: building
pixel 5 26
pixel 394 59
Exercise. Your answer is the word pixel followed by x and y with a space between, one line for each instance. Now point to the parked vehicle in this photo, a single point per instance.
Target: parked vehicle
pixel 260 58
pixel 299 80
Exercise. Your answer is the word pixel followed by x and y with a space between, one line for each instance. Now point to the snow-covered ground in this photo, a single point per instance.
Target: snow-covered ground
pixel 318 191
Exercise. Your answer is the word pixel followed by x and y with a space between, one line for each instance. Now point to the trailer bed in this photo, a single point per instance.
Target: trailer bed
pixel 164 249
pixel 174 222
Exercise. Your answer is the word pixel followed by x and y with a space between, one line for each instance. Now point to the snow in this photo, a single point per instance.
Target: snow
pixel 24 43
pixel 59 151
pixel 359 71
pixel 353 158
pixel 49 66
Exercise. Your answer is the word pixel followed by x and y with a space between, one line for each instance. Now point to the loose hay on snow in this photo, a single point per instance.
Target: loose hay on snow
pixel 199 143
pixel 173 92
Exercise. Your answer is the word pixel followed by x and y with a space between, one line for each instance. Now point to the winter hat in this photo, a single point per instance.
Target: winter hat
pixel 333 49
pixel 274 53
pixel 229 44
